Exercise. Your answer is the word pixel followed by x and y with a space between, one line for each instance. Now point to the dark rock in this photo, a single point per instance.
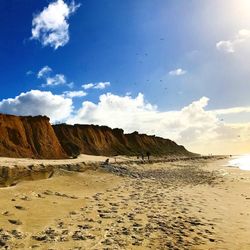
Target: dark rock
pixel 15 222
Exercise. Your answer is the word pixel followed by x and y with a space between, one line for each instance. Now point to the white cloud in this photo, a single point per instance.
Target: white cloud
pixel 58 79
pixel 43 72
pixel 177 72
pixel 235 110
pixel 30 72
pixel 193 126
pixel 36 102
pixel 229 46
pixel 226 46
pixel 88 85
pixel 136 114
pixel 99 85
pixel 46 73
pixel 102 85
pixel 243 34
pixel 72 94
pixel 51 26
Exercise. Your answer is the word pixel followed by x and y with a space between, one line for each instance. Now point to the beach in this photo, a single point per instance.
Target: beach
pixel 196 203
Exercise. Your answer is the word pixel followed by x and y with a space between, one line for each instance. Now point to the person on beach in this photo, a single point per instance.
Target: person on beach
pixel 148 155
pixel 142 156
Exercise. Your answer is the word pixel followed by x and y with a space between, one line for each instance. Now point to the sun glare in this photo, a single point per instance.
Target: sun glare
pixel 242 162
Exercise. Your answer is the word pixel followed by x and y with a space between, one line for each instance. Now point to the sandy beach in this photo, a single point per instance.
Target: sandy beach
pixel 184 204
pixel 124 125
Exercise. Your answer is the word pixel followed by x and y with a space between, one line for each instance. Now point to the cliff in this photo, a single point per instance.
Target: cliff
pixel 102 140
pixel 35 137
pixel 31 137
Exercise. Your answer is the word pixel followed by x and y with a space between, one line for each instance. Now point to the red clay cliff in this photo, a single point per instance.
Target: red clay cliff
pixel 29 137
pixel 102 140
pixel 35 137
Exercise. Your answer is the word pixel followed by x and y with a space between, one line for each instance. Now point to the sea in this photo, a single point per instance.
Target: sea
pixel 240 161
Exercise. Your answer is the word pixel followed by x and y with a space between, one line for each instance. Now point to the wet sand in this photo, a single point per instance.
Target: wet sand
pixel 191 204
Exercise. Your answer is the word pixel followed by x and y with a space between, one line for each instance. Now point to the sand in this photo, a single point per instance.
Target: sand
pixel 81 158
pixel 191 204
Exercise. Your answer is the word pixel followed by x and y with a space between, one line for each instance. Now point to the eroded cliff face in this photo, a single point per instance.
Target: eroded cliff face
pixel 31 137
pixel 35 137
pixel 102 140
pixel 90 139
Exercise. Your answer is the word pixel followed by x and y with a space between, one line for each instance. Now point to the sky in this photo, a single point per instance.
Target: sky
pixel 173 68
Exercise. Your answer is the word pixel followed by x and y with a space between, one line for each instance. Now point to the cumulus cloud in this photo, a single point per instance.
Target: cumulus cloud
pixel 200 130
pixel 46 73
pixel 195 127
pixel 136 114
pixel 72 94
pixel 99 85
pixel 36 102
pixel 177 72
pixel 51 26
pixel 229 46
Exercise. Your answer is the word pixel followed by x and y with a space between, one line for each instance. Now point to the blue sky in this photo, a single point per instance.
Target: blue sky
pixel 173 52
